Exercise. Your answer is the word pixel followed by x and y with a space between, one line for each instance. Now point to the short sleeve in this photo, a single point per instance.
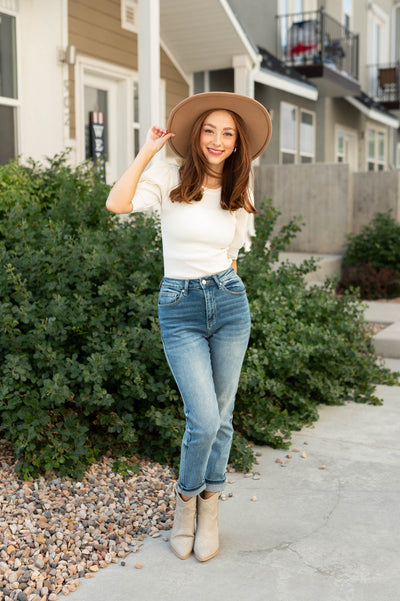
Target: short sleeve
pixel 154 184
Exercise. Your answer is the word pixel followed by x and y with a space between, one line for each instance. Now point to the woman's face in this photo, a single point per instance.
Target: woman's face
pixel 218 138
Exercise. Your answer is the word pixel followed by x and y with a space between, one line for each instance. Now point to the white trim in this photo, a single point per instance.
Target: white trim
pixel 395 15
pixel 378 12
pixel 4 101
pixel 373 114
pixel 86 66
pixel 284 83
pixel 177 66
pixel 238 28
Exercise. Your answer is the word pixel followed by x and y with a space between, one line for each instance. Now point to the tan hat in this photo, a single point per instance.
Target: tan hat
pixel 256 119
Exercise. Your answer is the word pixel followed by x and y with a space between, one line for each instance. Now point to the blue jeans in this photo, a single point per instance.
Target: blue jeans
pixel 205 328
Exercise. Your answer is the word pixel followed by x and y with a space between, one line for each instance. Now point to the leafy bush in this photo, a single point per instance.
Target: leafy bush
pixel 81 361
pixel 372 260
pixel 377 244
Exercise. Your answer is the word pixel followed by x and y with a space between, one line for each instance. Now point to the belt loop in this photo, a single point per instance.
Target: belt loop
pixel 186 288
pixel 216 280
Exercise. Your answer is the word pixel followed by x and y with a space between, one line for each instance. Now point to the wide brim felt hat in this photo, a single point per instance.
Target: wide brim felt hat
pixel 184 115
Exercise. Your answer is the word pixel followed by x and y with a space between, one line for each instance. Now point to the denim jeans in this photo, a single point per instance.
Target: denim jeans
pixel 205 328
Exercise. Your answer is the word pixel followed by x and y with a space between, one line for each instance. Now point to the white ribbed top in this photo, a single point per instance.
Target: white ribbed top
pixel 199 238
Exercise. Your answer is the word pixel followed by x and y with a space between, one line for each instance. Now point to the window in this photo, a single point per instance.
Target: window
pixel 376 155
pixel 297 135
pixel 307 137
pixel 136 124
pixel 8 88
pixel 347 13
pixel 288 133
pixel 340 146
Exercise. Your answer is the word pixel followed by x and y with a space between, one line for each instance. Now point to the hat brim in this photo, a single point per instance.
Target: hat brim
pixel 255 116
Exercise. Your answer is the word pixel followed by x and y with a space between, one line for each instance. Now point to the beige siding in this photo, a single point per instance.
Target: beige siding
pixel 95 30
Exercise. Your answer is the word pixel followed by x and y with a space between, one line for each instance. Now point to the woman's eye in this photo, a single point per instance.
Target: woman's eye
pixel 208 131
pixel 229 134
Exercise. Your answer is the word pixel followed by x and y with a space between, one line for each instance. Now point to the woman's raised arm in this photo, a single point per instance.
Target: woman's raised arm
pixel 121 194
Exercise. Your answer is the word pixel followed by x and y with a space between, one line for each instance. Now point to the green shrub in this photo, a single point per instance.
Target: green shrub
pixel 377 244
pixel 81 361
pixel 372 259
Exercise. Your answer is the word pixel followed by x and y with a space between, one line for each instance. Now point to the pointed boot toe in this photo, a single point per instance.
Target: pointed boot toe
pixel 182 534
pixel 206 544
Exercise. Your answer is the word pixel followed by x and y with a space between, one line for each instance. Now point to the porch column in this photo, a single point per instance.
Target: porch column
pixel 243 80
pixel 149 65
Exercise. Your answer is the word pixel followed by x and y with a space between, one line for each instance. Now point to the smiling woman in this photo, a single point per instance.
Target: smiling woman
pixel 203 310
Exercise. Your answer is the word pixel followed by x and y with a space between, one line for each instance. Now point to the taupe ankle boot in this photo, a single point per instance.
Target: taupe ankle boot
pixel 206 544
pixel 182 535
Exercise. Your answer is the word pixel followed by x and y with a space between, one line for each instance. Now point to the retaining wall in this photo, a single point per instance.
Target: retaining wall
pixel 332 200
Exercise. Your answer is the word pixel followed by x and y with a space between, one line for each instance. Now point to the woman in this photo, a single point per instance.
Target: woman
pixel 203 310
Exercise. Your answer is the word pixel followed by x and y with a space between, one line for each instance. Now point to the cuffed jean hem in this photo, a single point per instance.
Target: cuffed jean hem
pixel 208 486
pixel 190 493
pixel 215 487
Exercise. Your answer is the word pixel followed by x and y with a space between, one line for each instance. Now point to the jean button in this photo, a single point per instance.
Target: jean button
pixel 204 282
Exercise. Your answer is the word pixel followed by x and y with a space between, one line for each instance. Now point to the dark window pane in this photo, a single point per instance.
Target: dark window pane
pixel 288 158
pixel 95 100
pixel 8 57
pixel 7 134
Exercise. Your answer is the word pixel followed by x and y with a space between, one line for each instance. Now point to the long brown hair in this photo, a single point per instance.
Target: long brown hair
pixel 235 175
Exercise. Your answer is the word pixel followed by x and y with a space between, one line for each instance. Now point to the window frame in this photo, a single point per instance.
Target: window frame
pixel 15 103
pixel 377 163
pixel 285 150
pixel 297 153
pixel 306 154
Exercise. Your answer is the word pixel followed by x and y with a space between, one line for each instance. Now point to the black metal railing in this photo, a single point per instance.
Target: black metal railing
pixel 316 38
pixel 384 83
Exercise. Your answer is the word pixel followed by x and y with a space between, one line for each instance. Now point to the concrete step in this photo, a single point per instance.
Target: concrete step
pixel 387 341
pixel 328 265
pixel 382 311
pixel 392 364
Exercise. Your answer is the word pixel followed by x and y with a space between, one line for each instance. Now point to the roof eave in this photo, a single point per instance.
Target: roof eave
pixel 291 86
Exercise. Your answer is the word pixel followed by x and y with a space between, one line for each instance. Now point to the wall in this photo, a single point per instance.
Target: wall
pixel 332 200
pixel 375 193
pixel 41 78
pixel 319 193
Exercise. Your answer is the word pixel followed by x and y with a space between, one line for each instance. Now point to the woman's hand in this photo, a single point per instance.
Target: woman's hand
pixel 156 138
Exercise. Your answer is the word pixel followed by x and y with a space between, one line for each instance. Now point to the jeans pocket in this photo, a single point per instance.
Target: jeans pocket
pixel 234 285
pixel 169 297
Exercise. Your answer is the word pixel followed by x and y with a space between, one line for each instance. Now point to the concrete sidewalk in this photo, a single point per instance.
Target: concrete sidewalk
pixel 325 527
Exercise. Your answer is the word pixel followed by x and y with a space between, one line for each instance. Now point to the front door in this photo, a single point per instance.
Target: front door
pixel 100 95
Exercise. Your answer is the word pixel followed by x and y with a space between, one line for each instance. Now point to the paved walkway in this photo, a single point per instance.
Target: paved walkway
pixel 325 527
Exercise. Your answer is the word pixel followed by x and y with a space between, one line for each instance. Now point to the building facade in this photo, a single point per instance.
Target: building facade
pixel 328 72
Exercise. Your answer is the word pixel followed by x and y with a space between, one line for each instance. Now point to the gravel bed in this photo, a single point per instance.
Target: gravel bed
pixel 54 531
pixel 375 328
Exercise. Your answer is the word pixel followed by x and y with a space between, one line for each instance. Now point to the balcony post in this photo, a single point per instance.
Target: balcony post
pixel 322 22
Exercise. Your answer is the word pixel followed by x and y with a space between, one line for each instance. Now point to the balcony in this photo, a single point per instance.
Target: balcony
pixel 322 49
pixel 384 84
